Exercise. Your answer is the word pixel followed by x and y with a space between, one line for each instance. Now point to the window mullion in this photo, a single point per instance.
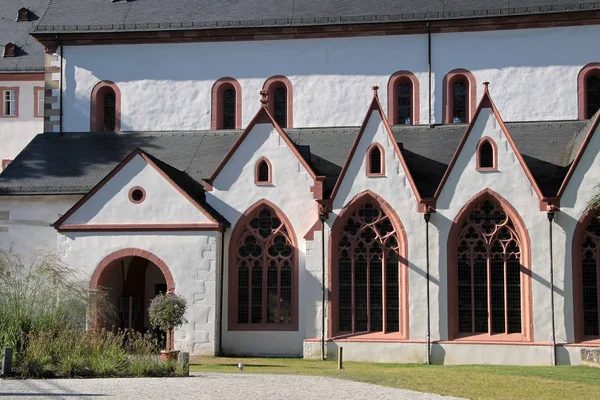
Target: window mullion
pixel 472 266
pixel 278 316
pixel 264 288
pixel 250 271
pixel 369 255
pixel 489 290
pixel 352 261
pixel 505 257
pixel 384 289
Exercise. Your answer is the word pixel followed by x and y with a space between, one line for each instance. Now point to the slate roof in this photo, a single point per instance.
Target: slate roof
pixel 72 163
pixel 30 55
pixel 139 15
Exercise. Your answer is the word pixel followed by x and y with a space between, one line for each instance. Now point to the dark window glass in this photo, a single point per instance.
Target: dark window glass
pixel 489 272
pixel 486 155
pixel 263 171
pixel 109 112
pixel 459 102
pixel 375 161
pixel 593 95
pixel 368 270
pixel 229 109
pixel 280 106
pixel 404 103
pixel 589 274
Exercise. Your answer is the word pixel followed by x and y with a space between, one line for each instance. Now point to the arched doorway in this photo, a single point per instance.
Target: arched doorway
pixel 368 276
pixel 130 278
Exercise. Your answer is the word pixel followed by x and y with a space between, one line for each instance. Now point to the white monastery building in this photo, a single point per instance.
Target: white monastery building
pixel 387 177
pixel 21 77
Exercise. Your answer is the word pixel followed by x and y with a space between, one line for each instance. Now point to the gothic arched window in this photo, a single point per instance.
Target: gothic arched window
pixel 369 272
pixel 487 155
pixel 590 277
pixel 263 273
pixel 489 272
pixel 263 171
pixel 375 160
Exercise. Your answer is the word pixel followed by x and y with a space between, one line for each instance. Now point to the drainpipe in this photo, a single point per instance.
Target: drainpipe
pixel 551 212
pixel 429 69
pixel 323 218
pixel 427 217
pixel 60 104
pixel 222 268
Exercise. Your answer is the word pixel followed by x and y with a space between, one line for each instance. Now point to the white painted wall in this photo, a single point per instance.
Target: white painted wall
pixel 234 193
pixel 16 133
pixel 533 75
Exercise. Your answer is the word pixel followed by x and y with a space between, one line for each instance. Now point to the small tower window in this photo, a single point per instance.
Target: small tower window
pixel 10 50
pixel 593 94
pixel 23 15
pixel 486 155
pixel 375 160
pixel 263 171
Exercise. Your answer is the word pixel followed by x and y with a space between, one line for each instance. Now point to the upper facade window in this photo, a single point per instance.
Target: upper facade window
pixel 487 155
pixel 403 99
pixel 105 113
pixel 263 273
pixel 588 83
pixel 10 102
pixel 280 100
pixel 38 97
pixel 226 104
pixel 375 160
pixel 459 88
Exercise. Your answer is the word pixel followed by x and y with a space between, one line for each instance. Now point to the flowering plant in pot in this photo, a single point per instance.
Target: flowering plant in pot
pixel 166 312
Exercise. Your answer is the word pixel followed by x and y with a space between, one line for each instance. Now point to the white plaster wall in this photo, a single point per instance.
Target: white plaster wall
pixel 163 203
pixel 510 182
pixel 582 186
pixel 191 258
pixel 168 86
pixel 26 222
pixel 395 189
pixel 16 133
pixel 234 193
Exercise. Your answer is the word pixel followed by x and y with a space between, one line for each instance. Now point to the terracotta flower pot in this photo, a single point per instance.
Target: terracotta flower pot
pixel 169 355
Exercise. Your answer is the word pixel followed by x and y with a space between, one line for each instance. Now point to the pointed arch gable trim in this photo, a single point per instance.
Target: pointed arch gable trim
pixel 394 81
pixel 588 138
pixel 452 277
pixel 582 76
pixel 60 225
pixel 263 116
pixel 486 102
pixel 233 324
pixel 332 283
pixel 375 106
pixel 273 83
pixel 217 102
pixel 97 107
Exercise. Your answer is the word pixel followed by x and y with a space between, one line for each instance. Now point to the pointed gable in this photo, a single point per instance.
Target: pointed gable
pixel 486 103
pixel 374 115
pixel 142 193
pixel 261 125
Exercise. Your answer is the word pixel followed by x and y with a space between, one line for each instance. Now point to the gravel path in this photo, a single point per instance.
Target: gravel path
pixel 213 386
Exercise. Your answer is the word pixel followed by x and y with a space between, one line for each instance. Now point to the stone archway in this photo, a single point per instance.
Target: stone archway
pixel 131 278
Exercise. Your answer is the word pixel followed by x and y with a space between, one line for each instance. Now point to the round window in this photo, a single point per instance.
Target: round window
pixel 137 195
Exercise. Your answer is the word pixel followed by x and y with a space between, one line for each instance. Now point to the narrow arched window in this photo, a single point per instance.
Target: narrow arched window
pixel 368 272
pixel 263 171
pixel 590 277
pixel 486 155
pixel 105 113
pixel 459 101
pixel 280 106
pixel 404 110
pixel 375 160
pixel 263 273
pixel 110 111
pixel 592 94
pixel 228 108
pixel 489 272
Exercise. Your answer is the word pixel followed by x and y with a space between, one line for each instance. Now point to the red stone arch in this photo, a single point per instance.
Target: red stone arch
pixel 105 267
pixel 401 238
pixel 97 105
pixel 236 236
pixel 525 249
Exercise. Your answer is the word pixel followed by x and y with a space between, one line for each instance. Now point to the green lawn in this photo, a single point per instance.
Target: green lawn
pixel 469 381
